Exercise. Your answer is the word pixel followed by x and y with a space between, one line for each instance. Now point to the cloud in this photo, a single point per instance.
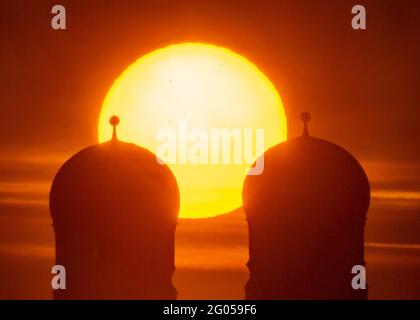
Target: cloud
pixel 27 250
pixel 393 176
pixel 24 193
pixel 32 168
pixel 413 246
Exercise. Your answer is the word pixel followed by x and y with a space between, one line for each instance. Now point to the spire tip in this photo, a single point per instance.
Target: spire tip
pixel 305 117
pixel 114 121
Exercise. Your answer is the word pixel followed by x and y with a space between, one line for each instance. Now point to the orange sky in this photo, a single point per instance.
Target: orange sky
pixel 360 87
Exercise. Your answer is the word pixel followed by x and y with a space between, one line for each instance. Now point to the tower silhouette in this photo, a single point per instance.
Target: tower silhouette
pixel 306 214
pixel 114 210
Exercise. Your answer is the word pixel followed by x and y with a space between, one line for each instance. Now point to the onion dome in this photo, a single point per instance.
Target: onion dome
pixel 112 176
pixel 306 214
pixel 114 210
pixel 307 172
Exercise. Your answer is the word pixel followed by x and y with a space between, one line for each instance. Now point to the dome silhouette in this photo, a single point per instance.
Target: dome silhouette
pixel 114 209
pixel 306 214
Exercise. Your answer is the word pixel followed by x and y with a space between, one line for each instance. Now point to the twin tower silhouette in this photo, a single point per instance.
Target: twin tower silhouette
pixel 114 210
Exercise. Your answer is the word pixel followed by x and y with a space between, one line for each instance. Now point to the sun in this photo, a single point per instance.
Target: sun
pixel 194 90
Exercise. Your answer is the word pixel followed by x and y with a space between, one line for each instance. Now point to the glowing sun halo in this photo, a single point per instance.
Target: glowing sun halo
pixel 205 87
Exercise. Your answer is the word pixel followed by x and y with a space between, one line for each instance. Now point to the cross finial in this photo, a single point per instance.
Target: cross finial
pixel 305 117
pixel 114 121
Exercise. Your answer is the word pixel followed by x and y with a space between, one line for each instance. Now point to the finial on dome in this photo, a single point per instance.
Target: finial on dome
pixel 305 117
pixel 114 121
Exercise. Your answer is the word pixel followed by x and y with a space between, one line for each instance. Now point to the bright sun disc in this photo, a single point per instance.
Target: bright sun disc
pixel 204 87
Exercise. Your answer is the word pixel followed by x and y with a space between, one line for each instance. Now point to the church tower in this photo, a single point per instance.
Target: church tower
pixel 114 211
pixel 306 214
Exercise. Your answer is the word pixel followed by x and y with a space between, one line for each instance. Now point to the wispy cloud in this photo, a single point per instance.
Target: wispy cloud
pixel 401 176
pixel 412 246
pixel 396 194
pixel 24 193
pixel 27 250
